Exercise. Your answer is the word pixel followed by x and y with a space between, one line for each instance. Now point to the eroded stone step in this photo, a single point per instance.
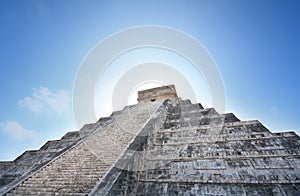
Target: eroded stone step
pixel 49 192
pixel 190 107
pixel 66 178
pixel 233 153
pixel 76 186
pixel 254 123
pixel 165 140
pixel 75 170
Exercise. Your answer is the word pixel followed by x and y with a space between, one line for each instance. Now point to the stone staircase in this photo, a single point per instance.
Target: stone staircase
pixel 200 152
pixel 13 172
pixel 79 169
pixel 169 148
pixel 75 172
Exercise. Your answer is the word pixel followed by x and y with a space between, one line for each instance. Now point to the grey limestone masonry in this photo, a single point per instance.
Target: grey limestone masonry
pixel 170 147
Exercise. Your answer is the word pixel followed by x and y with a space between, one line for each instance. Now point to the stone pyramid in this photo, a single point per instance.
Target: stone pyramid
pixel 161 146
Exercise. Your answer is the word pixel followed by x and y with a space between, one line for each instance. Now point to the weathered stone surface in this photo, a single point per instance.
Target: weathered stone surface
pixel 202 152
pixel 161 148
pixel 78 169
pixel 157 94
pixel 14 172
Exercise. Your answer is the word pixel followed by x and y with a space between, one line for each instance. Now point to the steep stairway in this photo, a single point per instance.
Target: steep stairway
pixel 13 172
pixel 172 147
pixel 75 172
pixel 78 170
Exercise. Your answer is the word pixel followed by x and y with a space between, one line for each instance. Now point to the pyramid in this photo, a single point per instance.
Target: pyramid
pixel 161 146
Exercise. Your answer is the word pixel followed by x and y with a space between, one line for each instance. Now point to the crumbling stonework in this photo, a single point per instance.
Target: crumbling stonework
pixel 197 151
pixel 157 94
pixel 170 147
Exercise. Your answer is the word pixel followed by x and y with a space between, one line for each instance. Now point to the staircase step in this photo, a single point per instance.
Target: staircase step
pixel 80 168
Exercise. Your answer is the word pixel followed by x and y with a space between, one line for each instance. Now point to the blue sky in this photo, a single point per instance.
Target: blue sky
pixel 255 44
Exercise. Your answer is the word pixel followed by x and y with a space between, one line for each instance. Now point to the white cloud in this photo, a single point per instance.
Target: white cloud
pixel 44 99
pixel 32 104
pixel 17 132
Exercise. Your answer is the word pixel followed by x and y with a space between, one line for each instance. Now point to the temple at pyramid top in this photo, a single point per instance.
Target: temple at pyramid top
pixel 157 94
pixel 163 145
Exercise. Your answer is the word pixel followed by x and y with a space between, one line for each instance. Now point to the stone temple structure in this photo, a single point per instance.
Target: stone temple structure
pixel 161 146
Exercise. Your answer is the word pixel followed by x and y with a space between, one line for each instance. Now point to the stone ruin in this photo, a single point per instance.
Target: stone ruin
pixel 161 146
pixel 157 94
